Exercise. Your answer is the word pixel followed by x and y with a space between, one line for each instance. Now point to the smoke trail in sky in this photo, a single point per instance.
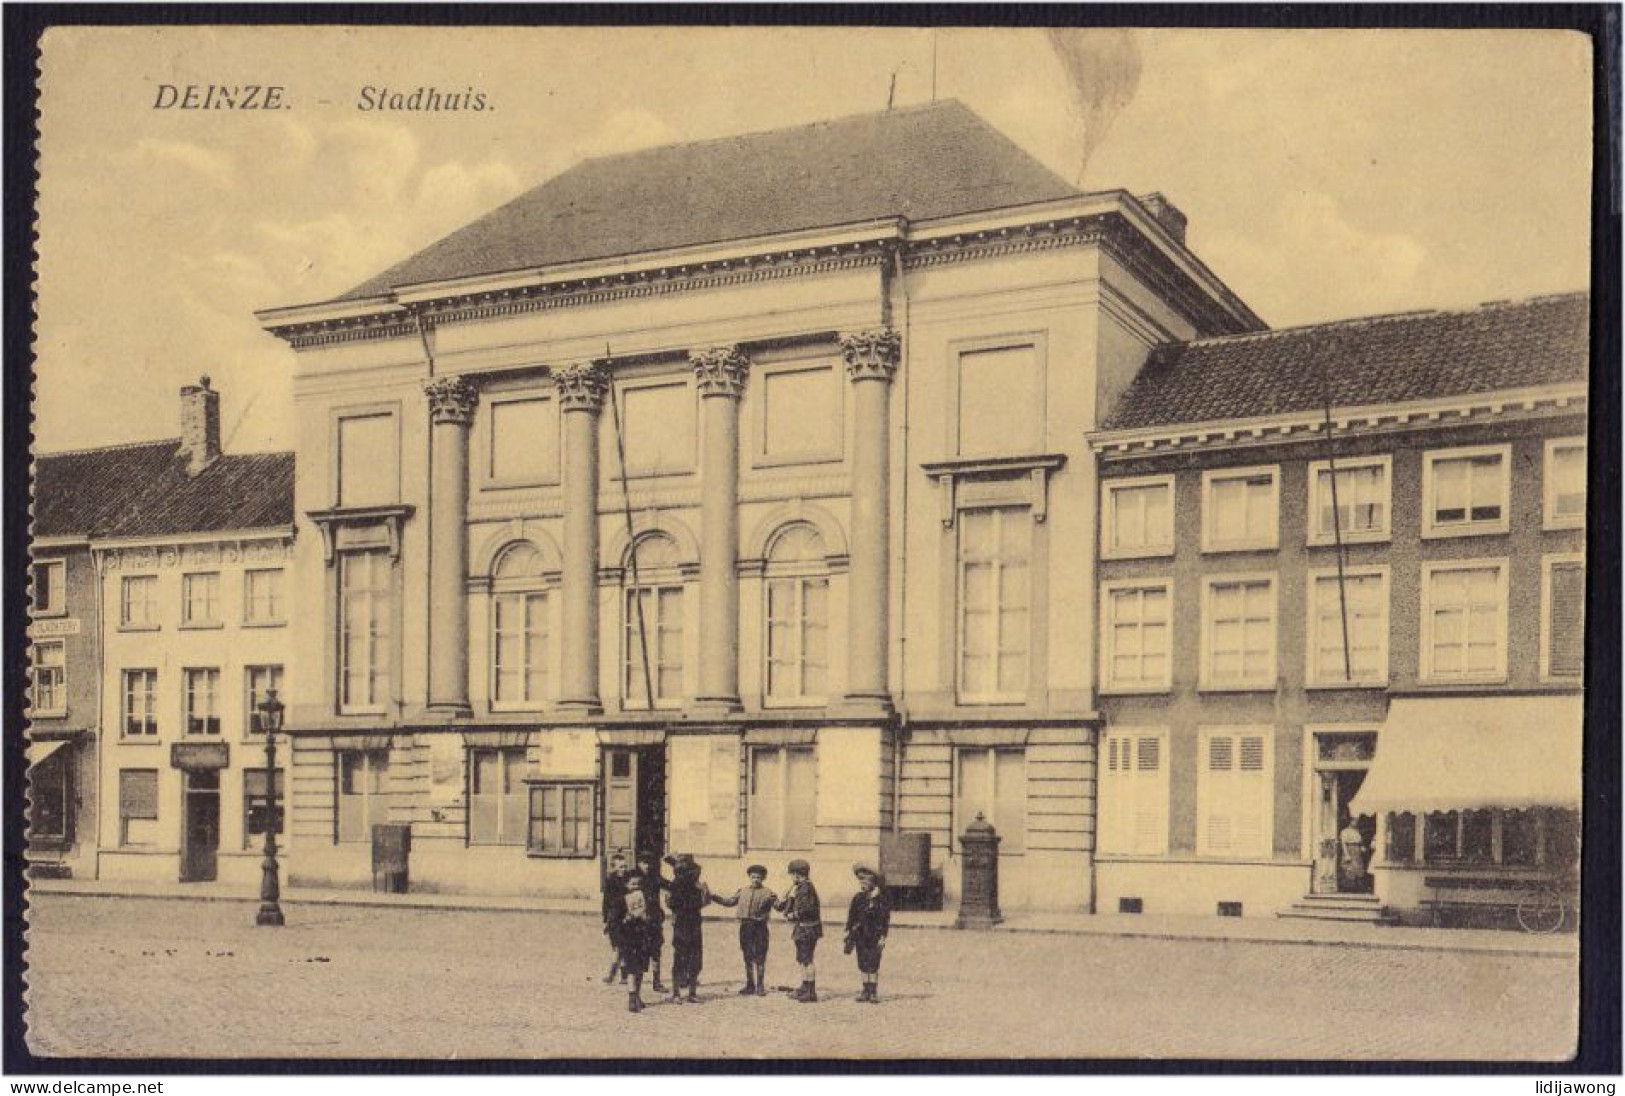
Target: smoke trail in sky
pixel 1102 66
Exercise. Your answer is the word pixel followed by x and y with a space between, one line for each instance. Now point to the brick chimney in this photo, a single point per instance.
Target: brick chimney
pixel 200 425
pixel 1166 214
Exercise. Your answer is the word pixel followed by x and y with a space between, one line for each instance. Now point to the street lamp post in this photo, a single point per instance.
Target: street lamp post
pixel 270 891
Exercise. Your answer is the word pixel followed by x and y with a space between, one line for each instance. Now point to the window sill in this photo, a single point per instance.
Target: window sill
pixel 1159 551
pixel 535 854
pixel 1136 690
pixel 1350 538
pixel 203 626
pixel 49 614
pixel 1251 546
pixel 47 713
pixel 1239 687
pixel 1323 686
pixel 1499 529
pixel 495 484
pixel 1449 682
pixel 139 740
pixel 265 624
pixel 140 628
pixel 1559 525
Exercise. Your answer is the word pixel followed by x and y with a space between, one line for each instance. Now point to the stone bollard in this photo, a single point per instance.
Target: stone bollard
pixel 979 877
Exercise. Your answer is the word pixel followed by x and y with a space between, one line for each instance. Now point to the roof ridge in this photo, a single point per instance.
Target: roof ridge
pixel 1382 318
pixel 913 108
pixel 107 448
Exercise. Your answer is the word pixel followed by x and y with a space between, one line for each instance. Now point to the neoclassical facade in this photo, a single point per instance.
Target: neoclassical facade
pixel 725 535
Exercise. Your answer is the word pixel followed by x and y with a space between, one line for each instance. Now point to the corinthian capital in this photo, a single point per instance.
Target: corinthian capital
pixel 451 399
pixel 582 387
pixel 871 355
pixel 720 370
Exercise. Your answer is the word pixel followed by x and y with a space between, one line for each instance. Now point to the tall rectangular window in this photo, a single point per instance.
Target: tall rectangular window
pixel 992 782
pixel 50 587
pixel 258 681
pixel 200 599
pixel 202 701
pixel 994 595
pixel 1134 792
pixel 1360 510
pixel 365 611
pixel 1355 607
pixel 140 703
pixel 368 458
pixel 137 807
pixel 262 596
pixel 1001 400
pixel 779 811
pixel 257 805
pixel 361 802
pixel 50 667
pixel 797 638
pixel 1464 621
pixel 1238 632
pixel 1137 517
pixel 138 601
pixel 498 806
pixel 1235 792
pixel 1240 509
pixel 1464 491
pixel 1563 622
pixel 524 442
pixel 561 820
pixel 660 611
pixel 1137 629
pixel 518 649
pixel 1565 483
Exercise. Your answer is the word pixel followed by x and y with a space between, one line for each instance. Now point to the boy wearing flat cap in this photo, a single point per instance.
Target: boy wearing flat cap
pixel 868 920
pixel 754 903
pixel 801 908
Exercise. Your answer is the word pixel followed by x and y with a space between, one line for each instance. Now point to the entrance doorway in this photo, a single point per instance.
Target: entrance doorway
pixel 1342 841
pixel 200 825
pixel 634 800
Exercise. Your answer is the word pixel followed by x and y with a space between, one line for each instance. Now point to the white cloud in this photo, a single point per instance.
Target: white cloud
pixel 217 167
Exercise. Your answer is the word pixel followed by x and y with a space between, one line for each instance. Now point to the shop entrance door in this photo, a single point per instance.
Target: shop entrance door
pixel 1342 841
pixel 634 800
pixel 200 824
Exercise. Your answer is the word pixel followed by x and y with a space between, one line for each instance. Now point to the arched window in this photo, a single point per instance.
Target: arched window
pixel 797 609
pixel 518 629
pixel 652 629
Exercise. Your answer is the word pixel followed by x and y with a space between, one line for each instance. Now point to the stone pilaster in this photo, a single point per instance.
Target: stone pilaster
pixel 871 359
pixel 721 374
pixel 451 409
pixel 581 391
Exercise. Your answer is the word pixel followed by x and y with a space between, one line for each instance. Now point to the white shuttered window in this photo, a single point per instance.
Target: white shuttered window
pixel 1134 792
pixel 1234 794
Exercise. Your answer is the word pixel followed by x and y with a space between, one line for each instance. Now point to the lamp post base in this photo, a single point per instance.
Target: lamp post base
pixel 270 914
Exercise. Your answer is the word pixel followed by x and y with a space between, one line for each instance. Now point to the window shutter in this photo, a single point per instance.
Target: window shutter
pixel 1220 794
pixel 1150 803
pixel 1565 651
pixel 1251 797
pixel 138 793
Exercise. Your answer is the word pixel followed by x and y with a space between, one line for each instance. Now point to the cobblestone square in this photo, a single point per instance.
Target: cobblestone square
pixel 111 977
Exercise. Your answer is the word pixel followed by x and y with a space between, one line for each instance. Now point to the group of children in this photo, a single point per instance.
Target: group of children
pixel 634 923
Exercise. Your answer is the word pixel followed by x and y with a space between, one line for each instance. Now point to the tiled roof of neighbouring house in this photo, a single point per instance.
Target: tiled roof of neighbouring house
pixel 1361 362
pixel 919 162
pixel 143 490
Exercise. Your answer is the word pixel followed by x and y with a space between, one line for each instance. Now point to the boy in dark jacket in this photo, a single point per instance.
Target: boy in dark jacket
pixel 614 912
pixel 686 897
pixel 653 883
pixel 801 908
pixel 754 902
pixel 636 936
pixel 868 920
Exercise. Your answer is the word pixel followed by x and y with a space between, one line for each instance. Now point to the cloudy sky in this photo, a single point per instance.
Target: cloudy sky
pixel 1325 173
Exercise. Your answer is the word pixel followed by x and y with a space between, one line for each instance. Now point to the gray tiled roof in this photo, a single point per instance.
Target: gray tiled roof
pixel 143 490
pixel 1375 360
pixel 919 162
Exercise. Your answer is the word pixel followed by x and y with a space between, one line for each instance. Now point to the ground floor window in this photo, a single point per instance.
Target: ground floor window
pixel 1533 838
pixel 780 809
pixel 137 807
pixel 1235 792
pixel 50 798
pixel 992 782
pixel 361 804
pixel 561 817
pixel 1134 792
pixel 497 813
pixel 257 805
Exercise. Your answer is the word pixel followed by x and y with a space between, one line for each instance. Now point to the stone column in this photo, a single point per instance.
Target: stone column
pixel 451 410
pixel 871 358
pixel 721 374
pixel 581 399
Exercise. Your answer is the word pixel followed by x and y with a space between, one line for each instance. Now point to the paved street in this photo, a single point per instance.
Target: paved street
pixel 141 977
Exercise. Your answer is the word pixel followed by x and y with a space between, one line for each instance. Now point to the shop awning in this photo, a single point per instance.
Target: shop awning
pixel 1474 753
pixel 39 751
